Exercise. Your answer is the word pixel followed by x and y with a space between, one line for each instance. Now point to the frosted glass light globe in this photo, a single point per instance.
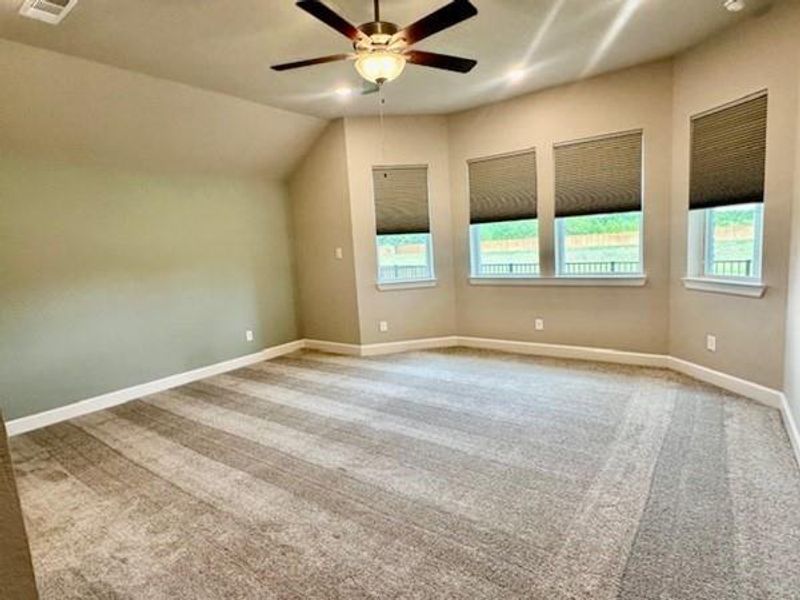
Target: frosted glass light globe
pixel 380 66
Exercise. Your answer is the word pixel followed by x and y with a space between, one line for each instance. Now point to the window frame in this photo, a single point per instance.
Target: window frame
pixel 472 228
pixel 699 229
pixel 559 250
pixel 430 254
pixel 475 254
pixel 558 222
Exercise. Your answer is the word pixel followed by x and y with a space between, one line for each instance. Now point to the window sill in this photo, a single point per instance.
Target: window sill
pixel 611 281
pixel 749 289
pixel 388 286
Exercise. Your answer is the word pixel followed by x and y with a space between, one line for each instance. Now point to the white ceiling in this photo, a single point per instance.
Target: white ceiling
pixel 228 45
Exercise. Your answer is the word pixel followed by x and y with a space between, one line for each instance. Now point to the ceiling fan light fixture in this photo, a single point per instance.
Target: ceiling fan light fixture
pixel 380 66
pixel 381 48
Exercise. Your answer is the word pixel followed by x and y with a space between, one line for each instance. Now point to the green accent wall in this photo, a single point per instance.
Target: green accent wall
pixel 111 278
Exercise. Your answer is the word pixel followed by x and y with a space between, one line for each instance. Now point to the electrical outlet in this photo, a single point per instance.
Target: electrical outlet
pixel 711 343
pixel 248 335
pixel 338 254
pixel 538 324
pixel 383 326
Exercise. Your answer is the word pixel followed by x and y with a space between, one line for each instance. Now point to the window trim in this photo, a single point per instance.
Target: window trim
pixel 407 285
pixel 559 252
pixel 732 287
pixel 404 283
pixel 624 280
pixel 474 255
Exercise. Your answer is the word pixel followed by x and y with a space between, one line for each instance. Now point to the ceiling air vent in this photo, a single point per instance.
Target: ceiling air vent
pixel 49 11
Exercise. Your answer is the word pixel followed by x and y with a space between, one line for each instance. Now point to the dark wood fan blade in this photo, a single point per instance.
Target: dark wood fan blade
pixel 447 16
pixel 317 9
pixel 311 61
pixel 440 61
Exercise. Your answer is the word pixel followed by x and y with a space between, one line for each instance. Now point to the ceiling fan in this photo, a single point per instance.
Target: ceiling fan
pixel 382 49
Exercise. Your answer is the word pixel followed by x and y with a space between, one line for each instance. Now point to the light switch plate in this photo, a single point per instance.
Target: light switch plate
pixel 711 343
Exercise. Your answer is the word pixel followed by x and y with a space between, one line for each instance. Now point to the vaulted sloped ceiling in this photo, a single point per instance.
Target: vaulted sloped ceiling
pixel 228 45
pixel 72 109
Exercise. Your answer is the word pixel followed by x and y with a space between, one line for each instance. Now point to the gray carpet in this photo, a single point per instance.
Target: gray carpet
pixel 440 474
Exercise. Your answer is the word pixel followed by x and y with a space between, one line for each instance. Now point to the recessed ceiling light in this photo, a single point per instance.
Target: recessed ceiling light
pixel 515 75
pixel 343 92
pixel 734 5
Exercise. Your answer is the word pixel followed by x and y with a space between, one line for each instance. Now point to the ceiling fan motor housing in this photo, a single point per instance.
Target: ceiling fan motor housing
pixel 380 27
pixel 378 33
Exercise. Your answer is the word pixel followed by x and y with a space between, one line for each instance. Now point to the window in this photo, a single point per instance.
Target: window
pixel 505 249
pixel 726 191
pixel 599 206
pixel 504 232
pixel 599 244
pixel 403 224
pixel 730 241
pixel 733 235
pixel 404 257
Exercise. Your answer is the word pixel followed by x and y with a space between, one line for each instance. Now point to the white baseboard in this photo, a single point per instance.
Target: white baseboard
pixel 791 427
pixel 333 347
pixel 754 391
pixel 90 405
pixel 276 351
pixel 383 347
pixel 748 389
pixel 408 345
pixel 564 351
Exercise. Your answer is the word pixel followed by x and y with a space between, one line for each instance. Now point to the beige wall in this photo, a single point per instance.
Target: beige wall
pixel 328 302
pixel 111 278
pixel 760 54
pixel 410 313
pixel 625 318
